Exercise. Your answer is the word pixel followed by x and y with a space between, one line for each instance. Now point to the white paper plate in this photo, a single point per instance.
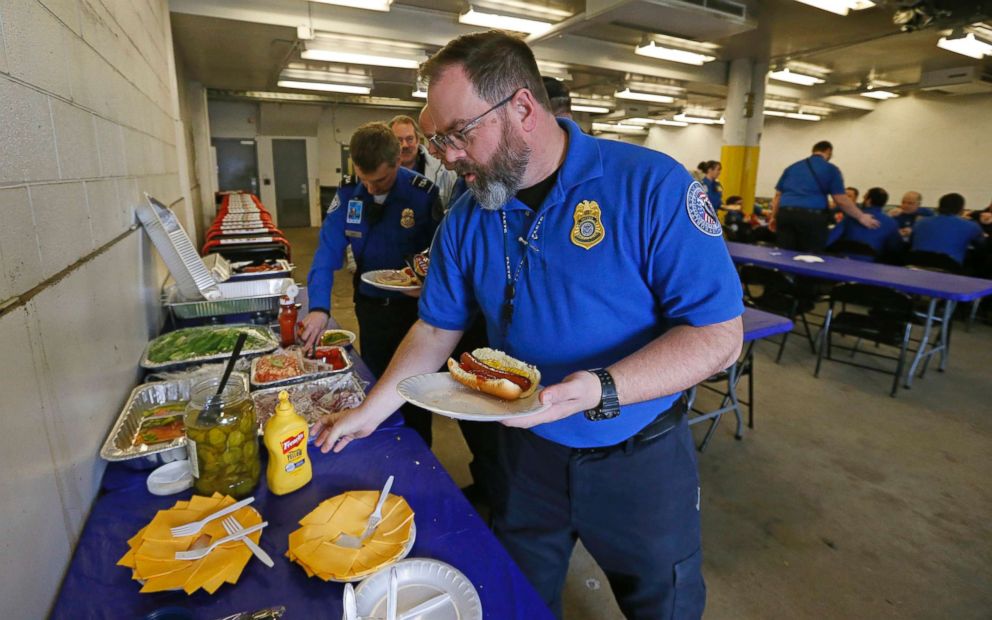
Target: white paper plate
pixel 439 393
pixel 419 581
pixel 369 277
pixel 808 258
pixel 406 552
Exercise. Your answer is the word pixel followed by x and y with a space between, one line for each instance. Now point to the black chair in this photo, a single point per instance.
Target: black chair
pixel 773 291
pixel 848 248
pixel 933 261
pixel 878 314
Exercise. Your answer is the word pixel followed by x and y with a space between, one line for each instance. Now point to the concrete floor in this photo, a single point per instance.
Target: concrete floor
pixel 841 503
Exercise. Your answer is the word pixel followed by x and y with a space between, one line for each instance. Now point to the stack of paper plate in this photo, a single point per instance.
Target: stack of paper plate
pixel 314 545
pixel 152 551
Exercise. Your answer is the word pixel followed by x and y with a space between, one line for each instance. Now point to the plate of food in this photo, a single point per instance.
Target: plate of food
pixel 337 338
pixel 485 385
pixel 392 279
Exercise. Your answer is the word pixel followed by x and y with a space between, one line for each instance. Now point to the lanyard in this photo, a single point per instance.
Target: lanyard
pixel 510 291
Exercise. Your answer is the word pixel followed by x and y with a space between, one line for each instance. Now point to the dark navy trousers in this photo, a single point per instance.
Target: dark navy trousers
pixel 635 508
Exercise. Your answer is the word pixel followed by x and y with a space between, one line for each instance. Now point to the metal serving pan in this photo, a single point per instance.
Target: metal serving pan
pixel 242 296
pixel 299 395
pixel 272 345
pixel 313 369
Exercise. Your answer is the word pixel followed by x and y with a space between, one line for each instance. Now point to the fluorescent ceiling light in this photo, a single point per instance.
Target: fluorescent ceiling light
pixel 356 58
pixel 326 86
pixel 879 94
pixel 618 128
pixel 592 109
pixel 520 7
pixel 371 5
pixel 557 70
pixel 700 120
pixel 802 116
pixel 642 96
pixel 785 75
pixel 419 93
pixel 967 45
pixel 673 54
pixel 656 121
pixel 474 17
pixel 767 112
pixel 840 7
pixel 665 121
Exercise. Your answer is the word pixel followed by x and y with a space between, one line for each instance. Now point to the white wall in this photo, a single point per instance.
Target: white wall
pixel 266 170
pixel 87 122
pixel 928 143
pixel 337 123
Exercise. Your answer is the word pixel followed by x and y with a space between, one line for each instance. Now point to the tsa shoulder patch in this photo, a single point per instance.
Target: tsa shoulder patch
pixel 701 211
pixel 335 204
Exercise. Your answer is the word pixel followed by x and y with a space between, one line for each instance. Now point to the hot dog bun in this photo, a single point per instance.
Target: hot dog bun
pixel 489 381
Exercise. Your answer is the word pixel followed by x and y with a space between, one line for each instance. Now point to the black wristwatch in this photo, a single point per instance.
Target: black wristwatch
pixel 609 402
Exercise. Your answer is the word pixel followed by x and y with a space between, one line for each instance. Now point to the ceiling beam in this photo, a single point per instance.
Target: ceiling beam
pixel 435 29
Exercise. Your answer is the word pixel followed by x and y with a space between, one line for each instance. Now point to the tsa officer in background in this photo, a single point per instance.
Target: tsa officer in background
pixel 414 155
pixel 949 233
pixel 603 264
pixel 800 208
pixel 909 211
pixel 385 214
pixel 884 240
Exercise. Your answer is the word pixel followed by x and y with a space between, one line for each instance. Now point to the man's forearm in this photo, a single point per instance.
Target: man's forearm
pixel 775 202
pixel 423 350
pixel 677 360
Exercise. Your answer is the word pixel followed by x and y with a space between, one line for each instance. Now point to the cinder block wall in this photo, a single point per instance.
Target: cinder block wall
pixel 87 123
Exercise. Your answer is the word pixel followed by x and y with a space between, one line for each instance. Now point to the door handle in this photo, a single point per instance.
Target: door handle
pixel 303 188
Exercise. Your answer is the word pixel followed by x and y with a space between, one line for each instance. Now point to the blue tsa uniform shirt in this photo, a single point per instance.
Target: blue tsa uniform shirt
pixel 947 234
pixel 884 240
pixel 625 246
pixel 806 183
pixel 907 220
pixel 380 235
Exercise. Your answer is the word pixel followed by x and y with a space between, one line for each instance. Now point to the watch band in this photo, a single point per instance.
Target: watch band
pixel 609 402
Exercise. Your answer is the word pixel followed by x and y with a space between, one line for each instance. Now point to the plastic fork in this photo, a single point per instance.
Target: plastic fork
pixel 355 542
pixel 350 605
pixel 196 554
pixel 232 526
pixel 192 528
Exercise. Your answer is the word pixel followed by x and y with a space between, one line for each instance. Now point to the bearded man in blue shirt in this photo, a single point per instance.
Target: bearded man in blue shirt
pixel 603 264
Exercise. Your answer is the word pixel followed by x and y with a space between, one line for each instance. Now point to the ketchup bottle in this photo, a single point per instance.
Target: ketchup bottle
pixel 287 321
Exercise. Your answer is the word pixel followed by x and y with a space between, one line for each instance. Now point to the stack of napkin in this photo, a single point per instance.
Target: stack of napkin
pixel 151 556
pixel 313 545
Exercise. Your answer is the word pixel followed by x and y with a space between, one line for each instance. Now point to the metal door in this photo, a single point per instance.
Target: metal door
pixel 237 165
pixel 289 160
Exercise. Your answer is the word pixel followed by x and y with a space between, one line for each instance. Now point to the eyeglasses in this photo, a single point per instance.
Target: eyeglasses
pixel 458 139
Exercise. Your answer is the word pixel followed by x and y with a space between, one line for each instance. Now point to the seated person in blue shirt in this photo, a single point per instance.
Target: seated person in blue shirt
pixel 908 212
pixel 735 227
pixel 949 233
pixel 885 239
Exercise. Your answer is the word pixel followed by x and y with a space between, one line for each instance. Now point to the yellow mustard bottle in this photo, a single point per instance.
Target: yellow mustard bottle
pixel 285 436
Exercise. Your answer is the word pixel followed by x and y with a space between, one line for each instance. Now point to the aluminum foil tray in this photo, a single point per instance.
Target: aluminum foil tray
pixel 284 271
pixel 117 446
pixel 242 296
pixel 272 345
pixel 314 369
pixel 345 389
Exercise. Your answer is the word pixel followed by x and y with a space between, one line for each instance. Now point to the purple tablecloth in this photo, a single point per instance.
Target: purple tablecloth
pixel 448 529
pixel 913 281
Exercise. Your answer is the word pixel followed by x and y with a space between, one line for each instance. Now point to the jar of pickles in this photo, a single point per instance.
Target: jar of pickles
pixel 222 438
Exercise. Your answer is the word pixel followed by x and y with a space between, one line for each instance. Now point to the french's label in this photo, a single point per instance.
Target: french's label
pixel 291 442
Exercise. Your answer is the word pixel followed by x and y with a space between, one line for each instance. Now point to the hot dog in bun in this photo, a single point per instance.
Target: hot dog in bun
pixel 496 373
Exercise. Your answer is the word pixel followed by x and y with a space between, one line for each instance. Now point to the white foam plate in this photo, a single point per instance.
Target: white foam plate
pixel 420 580
pixel 369 277
pixel 439 393
pixel 808 258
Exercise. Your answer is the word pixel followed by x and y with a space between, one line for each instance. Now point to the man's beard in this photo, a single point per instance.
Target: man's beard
pixel 498 181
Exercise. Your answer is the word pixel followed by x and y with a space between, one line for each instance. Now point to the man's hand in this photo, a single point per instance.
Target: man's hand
pixel 313 325
pixel 415 293
pixel 868 221
pixel 985 218
pixel 337 430
pixel 905 231
pixel 577 392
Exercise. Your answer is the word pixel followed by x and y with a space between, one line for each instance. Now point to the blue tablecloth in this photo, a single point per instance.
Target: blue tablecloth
pixel 759 324
pixel 914 281
pixel 448 529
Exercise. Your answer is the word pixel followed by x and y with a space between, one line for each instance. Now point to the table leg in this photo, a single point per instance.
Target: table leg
pixel 750 385
pixel 924 342
pixel 945 334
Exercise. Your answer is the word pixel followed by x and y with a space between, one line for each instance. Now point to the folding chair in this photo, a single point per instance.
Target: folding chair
pixel 942 263
pixel 878 314
pixel 773 291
